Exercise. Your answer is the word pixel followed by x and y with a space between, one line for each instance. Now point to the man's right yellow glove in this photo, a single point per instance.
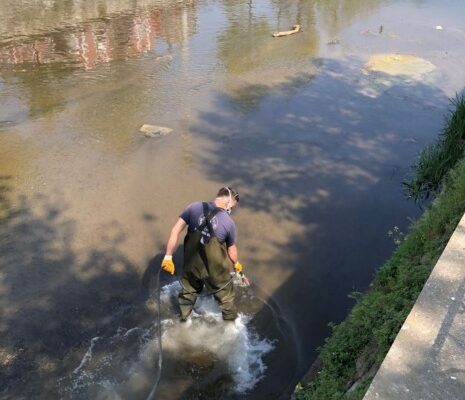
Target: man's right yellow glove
pixel 238 267
pixel 168 265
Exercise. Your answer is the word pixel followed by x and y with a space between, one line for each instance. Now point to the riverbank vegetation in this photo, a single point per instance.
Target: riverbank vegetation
pixel 351 356
pixel 438 158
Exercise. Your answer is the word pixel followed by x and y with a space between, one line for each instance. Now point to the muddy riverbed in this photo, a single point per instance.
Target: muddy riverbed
pixel 316 130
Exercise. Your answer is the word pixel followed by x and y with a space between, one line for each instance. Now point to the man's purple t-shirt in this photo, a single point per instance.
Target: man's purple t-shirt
pixel 223 225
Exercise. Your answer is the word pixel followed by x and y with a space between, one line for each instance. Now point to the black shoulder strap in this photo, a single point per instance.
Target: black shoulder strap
pixel 208 218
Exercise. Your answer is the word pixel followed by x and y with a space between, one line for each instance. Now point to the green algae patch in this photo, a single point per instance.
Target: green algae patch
pixel 352 354
pixel 400 65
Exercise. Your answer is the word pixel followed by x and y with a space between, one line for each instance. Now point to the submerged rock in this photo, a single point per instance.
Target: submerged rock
pixel 5 124
pixel 154 131
pixel 166 57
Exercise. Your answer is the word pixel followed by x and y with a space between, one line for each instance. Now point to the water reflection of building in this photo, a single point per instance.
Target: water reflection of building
pixel 96 41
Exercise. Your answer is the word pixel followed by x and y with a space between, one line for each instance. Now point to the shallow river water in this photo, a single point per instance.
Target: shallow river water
pixel 316 130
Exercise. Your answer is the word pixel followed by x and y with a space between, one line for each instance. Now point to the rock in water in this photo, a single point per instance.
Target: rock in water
pixel 154 131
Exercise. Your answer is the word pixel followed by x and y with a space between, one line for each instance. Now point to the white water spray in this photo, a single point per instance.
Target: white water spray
pixel 231 342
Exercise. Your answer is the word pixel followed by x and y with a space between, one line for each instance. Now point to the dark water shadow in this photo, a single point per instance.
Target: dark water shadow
pixel 55 299
pixel 330 158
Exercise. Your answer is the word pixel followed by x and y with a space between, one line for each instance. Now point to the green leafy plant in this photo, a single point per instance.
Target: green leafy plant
pixel 438 158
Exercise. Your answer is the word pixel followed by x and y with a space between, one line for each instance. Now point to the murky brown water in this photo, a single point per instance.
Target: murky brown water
pixel 316 130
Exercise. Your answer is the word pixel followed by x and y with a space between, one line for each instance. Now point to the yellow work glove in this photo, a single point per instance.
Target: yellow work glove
pixel 168 265
pixel 238 267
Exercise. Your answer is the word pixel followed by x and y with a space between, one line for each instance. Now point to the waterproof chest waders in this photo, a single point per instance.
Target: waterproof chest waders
pixel 206 262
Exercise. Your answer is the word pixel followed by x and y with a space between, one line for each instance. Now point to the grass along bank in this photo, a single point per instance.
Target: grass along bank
pixel 441 156
pixel 353 353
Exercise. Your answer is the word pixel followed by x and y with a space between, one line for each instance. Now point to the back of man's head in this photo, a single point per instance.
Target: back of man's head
pixel 227 191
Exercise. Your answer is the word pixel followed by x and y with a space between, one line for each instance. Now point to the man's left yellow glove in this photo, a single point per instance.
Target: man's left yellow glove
pixel 238 267
pixel 168 265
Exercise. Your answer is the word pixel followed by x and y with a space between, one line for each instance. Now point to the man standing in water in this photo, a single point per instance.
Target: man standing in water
pixel 209 252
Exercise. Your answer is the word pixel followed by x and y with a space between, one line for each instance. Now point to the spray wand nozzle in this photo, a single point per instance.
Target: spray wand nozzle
pixel 244 279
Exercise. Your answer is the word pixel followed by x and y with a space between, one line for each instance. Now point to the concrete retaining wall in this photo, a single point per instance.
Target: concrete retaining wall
pixel 427 359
